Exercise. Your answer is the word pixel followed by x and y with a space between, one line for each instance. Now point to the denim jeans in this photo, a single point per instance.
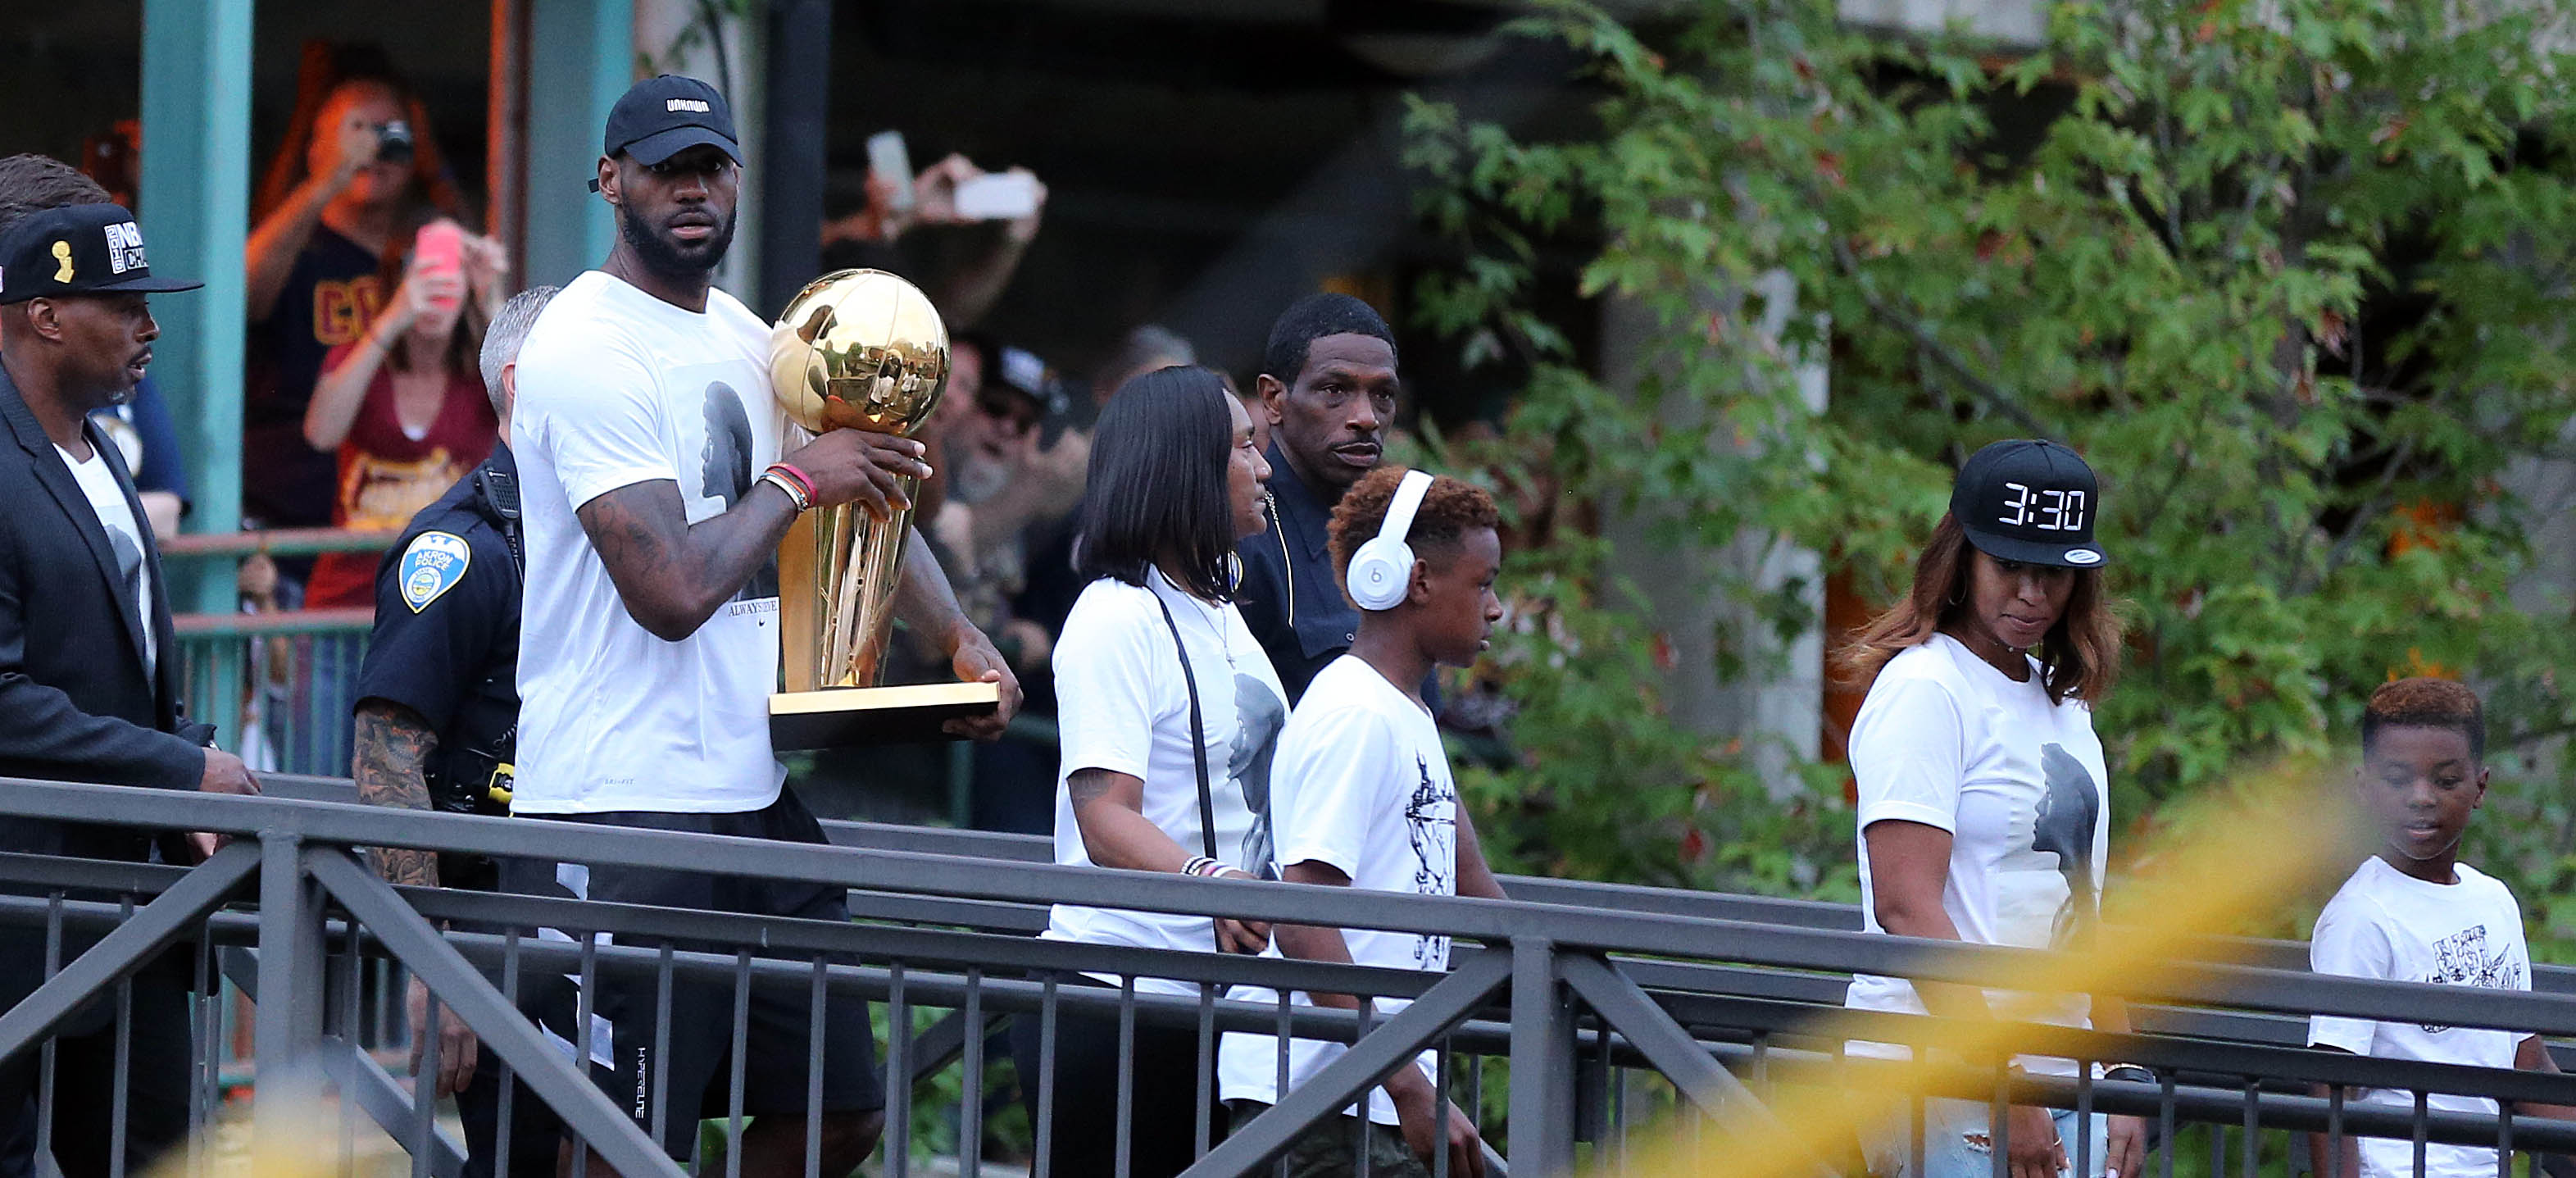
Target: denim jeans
pixel 1957 1144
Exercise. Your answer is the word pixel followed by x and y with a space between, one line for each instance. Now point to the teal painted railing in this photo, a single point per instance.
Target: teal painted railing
pixel 277 685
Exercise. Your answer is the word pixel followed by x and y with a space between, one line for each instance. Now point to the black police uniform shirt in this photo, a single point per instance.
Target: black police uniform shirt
pixel 1290 598
pixel 446 642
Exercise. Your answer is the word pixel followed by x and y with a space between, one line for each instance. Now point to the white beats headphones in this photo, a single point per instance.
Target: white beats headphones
pixel 1382 570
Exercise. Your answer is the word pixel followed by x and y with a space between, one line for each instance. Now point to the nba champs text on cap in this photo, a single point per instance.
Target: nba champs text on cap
pixel 77 250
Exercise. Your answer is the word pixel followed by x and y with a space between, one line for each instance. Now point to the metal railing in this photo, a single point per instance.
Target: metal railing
pixel 277 685
pixel 1564 1028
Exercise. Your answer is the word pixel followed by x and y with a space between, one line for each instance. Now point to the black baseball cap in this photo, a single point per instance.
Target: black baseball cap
pixel 2029 500
pixel 659 117
pixel 77 250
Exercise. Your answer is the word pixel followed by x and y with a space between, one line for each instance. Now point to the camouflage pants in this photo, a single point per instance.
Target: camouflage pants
pixel 1324 1151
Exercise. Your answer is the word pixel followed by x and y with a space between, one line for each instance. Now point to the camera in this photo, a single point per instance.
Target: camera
pixel 393 143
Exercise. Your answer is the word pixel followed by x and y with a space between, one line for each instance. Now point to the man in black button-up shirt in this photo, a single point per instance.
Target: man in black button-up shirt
pixel 1330 387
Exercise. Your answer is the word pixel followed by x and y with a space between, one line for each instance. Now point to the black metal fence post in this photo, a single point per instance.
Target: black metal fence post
pixel 1542 1124
pixel 288 1021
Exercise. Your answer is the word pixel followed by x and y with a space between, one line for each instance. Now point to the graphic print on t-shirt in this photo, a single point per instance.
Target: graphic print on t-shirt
pixel 2043 885
pixel 1259 715
pixel 2064 827
pixel 725 472
pixel 2462 959
pixel 1431 830
pixel 124 534
pixel 129 561
pixel 383 493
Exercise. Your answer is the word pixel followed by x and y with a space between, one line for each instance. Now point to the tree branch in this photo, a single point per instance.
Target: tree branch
pixel 2370 509
pixel 1928 343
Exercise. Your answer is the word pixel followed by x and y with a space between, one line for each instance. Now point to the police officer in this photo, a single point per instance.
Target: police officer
pixel 438 705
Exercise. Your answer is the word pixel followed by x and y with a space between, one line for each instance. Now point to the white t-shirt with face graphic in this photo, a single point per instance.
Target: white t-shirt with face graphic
pixel 1363 784
pixel 617 387
pixel 1947 740
pixel 1123 706
pixel 2387 924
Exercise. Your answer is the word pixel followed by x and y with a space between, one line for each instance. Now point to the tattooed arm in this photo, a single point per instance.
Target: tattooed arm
pixel 393 748
pixel 673 574
pixel 1109 807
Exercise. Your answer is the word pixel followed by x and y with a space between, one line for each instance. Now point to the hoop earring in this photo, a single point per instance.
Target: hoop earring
pixel 1956 598
pixel 1233 573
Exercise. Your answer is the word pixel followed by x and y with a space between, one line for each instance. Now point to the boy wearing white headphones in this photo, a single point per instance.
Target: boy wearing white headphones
pixel 1361 796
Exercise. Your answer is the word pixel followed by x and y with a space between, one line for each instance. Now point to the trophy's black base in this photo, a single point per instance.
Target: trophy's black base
pixel 856 717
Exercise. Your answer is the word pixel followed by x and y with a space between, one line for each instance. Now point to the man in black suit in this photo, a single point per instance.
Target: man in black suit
pixel 89 676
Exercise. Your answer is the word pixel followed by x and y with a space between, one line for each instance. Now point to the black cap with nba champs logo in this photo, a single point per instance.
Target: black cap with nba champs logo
pixel 2030 501
pixel 77 250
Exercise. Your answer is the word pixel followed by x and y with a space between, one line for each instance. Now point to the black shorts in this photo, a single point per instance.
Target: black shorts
pixel 1162 1105
pixel 698 1068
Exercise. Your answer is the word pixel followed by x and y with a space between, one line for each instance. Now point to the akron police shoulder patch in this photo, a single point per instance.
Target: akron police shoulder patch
pixel 434 564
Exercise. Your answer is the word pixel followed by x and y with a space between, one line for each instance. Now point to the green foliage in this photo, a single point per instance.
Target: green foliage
pixel 938 1103
pixel 2289 273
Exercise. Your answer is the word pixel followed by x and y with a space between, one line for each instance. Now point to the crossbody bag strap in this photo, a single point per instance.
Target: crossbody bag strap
pixel 1198 733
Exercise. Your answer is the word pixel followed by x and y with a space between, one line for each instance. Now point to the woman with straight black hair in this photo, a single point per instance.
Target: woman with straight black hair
pixel 1168 713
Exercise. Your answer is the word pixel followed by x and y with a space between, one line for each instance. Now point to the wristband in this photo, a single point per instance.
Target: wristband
pixel 795 495
pixel 2129 1073
pixel 802 479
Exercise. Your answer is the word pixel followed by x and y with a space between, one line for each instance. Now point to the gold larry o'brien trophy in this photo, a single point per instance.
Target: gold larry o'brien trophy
pixel 855 349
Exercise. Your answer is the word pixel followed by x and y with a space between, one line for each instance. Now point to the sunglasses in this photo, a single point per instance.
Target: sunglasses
pixel 1018 416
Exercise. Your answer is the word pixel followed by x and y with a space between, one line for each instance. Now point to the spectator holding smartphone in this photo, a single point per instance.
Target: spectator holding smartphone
pixel 357 170
pixel 953 192
pixel 1169 714
pixel 403 406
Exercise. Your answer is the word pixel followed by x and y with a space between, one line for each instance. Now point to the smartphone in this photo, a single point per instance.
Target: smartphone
pixel 439 248
pixel 888 160
pixel 997 196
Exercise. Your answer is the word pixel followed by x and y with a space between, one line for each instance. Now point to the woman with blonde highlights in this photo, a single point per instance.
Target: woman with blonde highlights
pixel 1983 815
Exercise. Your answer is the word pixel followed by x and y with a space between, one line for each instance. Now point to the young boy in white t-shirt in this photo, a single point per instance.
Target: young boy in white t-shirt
pixel 2414 913
pixel 1361 796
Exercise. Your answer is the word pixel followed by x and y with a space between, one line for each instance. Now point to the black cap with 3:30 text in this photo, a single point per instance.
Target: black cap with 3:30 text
pixel 2029 500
